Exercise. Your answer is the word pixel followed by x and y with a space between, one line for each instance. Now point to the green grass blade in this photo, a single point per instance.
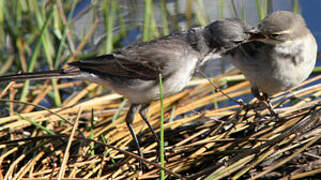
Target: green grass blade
pixel 259 9
pixel 64 36
pixel 35 123
pixel 121 21
pixel 147 20
pixel 110 7
pixel 38 106
pixel 221 9
pixel 164 17
pixel 243 16
pixel 34 56
pixel 296 6
pixel 1 12
pixel 153 26
pixel 45 38
pixel 161 151
pixel 119 110
pixel 47 44
pixel 200 13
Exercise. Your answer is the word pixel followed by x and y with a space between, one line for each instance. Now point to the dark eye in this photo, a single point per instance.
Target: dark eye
pixel 274 36
pixel 238 42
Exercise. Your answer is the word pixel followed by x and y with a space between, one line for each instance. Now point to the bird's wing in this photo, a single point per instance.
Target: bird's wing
pixel 115 65
pixel 142 61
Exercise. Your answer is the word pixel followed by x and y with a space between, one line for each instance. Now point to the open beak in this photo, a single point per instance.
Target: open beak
pixel 255 34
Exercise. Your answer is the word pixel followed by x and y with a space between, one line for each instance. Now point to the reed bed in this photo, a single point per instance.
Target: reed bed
pixel 75 130
pixel 89 139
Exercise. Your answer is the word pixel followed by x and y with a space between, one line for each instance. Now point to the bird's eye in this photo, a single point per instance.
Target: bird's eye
pixel 274 36
pixel 238 42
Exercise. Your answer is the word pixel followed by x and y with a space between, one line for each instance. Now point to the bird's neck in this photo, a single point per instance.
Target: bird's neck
pixel 198 41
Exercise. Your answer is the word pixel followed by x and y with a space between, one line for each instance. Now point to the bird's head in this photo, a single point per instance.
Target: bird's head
pixel 280 27
pixel 228 33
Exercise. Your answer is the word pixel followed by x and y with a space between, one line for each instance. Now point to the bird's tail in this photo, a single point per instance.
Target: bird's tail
pixel 62 73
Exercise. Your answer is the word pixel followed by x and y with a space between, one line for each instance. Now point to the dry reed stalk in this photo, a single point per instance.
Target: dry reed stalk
pixel 228 141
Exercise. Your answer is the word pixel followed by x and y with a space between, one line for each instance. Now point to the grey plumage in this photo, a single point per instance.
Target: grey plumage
pixel 282 59
pixel 134 70
pixel 227 34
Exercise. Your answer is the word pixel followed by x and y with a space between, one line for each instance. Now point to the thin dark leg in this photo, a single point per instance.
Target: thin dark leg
pixel 267 103
pixel 265 99
pixel 142 113
pixel 256 93
pixel 129 121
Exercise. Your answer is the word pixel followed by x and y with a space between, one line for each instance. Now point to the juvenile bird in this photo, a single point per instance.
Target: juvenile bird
pixel 134 70
pixel 281 55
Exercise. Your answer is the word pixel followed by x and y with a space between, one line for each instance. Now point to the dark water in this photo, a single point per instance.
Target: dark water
pixel 311 11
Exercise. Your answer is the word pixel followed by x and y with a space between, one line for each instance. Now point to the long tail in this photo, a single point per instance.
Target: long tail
pixel 62 73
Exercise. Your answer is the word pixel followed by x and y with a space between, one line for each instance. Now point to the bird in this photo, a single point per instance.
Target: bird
pixel 280 56
pixel 133 71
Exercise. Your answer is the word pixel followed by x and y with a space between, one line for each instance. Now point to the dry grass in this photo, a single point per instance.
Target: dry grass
pixel 87 138
pixel 202 142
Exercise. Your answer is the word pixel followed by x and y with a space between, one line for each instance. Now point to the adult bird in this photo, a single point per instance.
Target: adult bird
pixel 134 70
pixel 281 56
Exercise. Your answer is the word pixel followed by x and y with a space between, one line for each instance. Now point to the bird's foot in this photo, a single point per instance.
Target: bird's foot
pixel 247 106
pixel 265 99
pixel 143 167
pixel 158 154
pixel 142 113
pixel 270 108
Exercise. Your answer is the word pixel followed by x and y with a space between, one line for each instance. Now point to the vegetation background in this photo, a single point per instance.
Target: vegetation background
pixel 72 129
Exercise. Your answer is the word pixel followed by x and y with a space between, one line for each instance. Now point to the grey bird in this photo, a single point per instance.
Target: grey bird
pixel 281 56
pixel 134 70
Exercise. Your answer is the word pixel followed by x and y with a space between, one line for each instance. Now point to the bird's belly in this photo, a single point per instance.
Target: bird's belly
pixel 272 82
pixel 144 91
pixel 272 79
pixel 273 75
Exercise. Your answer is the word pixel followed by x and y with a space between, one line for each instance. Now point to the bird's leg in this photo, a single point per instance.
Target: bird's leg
pixel 265 99
pixel 129 121
pixel 267 103
pixel 142 113
pixel 216 88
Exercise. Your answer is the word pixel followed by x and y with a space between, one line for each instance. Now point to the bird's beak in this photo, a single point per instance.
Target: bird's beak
pixel 258 36
pixel 255 34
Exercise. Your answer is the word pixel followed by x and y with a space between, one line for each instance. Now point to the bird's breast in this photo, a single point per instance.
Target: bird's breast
pixel 276 68
pixel 145 91
pixel 179 78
